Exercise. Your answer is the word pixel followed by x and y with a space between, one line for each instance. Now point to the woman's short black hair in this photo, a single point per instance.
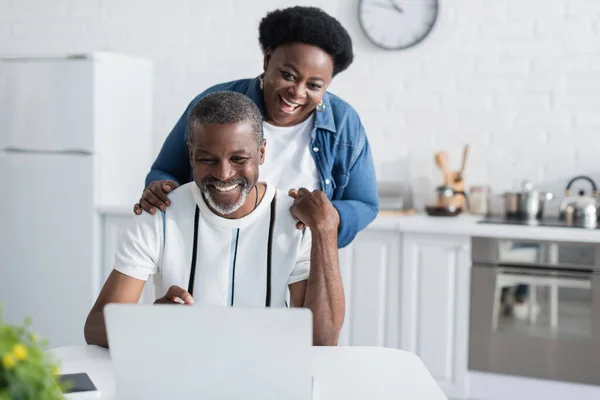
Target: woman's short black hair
pixel 309 25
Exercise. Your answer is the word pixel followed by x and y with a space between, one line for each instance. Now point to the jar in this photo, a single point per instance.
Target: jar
pixel 479 200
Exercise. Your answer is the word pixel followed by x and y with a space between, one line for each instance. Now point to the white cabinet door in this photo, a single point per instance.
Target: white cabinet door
pixel 370 269
pixel 47 104
pixel 113 225
pixel 435 306
pixel 48 267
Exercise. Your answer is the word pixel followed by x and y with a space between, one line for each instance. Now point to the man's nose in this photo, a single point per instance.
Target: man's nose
pixel 224 171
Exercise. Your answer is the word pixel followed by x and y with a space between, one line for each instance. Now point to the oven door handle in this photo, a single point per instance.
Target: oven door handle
pixel 538 278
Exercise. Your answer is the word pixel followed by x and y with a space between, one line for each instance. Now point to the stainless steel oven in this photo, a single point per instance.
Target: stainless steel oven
pixel 535 309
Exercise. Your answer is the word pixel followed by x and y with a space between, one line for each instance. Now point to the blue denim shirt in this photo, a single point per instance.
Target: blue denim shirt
pixel 339 147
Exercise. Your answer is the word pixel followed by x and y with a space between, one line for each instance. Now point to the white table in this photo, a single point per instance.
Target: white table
pixel 341 373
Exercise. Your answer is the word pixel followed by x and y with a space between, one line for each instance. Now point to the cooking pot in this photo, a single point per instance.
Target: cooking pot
pixel 581 209
pixel 528 204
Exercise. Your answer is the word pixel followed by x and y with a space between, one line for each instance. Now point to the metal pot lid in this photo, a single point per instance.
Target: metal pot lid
pixel 527 186
pixel 528 190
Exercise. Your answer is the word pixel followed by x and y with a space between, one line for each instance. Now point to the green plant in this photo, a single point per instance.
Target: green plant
pixel 26 372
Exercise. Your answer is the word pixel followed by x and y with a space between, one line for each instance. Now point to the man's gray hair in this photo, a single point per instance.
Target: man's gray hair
pixel 225 107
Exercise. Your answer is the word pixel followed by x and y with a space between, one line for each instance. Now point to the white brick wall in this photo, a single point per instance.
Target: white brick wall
pixel 518 79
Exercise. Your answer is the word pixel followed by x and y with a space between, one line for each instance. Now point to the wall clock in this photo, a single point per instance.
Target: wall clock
pixel 397 24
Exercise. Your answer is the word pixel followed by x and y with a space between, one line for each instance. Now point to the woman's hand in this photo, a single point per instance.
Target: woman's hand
pixel 155 196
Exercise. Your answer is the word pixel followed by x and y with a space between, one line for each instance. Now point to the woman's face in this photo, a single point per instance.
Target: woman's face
pixel 296 78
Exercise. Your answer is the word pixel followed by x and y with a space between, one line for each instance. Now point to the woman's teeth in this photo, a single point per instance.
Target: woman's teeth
pixel 287 106
pixel 289 103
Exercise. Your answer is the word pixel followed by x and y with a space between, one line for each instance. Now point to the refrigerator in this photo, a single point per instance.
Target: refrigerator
pixel 75 138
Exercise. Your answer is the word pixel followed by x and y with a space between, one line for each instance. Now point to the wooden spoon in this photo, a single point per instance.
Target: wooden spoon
pixel 459 176
pixel 441 160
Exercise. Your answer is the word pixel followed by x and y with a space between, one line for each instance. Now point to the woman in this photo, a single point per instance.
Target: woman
pixel 314 139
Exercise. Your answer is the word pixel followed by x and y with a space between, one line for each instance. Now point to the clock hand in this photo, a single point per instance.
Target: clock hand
pixel 383 5
pixel 395 6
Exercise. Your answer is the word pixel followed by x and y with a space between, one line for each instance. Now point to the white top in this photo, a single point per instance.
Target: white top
pixel 288 160
pixel 231 262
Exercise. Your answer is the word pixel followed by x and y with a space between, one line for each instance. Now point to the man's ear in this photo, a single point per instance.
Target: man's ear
pixel 191 154
pixel 261 152
pixel 266 59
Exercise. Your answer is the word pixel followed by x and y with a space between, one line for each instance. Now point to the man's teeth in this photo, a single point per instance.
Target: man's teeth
pixel 290 103
pixel 225 188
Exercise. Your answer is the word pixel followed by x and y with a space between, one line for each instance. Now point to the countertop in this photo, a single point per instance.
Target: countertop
pixel 468 225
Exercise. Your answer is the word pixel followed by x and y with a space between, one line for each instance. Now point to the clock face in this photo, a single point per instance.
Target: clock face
pixel 397 24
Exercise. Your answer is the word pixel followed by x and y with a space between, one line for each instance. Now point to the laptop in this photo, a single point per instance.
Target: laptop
pixel 179 352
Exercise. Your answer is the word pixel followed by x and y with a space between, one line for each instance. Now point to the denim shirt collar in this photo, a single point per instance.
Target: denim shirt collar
pixel 323 119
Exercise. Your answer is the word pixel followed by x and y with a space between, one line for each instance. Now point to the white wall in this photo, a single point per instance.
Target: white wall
pixel 517 79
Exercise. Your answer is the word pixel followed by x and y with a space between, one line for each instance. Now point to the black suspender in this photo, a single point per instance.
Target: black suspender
pixel 269 251
pixel 194 253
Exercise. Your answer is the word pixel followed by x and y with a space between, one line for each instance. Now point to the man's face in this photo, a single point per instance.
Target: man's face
pixel 225 160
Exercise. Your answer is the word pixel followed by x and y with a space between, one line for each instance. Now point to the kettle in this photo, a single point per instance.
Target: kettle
pixel 446 193
pixel 580 209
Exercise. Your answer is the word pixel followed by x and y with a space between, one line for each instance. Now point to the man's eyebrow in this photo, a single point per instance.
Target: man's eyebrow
pixel 203 151
pixel 233 153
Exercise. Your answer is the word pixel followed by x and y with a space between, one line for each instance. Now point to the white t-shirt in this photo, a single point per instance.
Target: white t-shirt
pixel 231 262
pixel 288 161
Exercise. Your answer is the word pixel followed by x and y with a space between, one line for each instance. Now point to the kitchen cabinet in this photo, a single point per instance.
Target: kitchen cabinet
pixel 410 291
pixel 435 285
pixel 370 269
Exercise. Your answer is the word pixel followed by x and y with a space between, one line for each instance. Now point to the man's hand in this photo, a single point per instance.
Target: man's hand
pixel 176 295
pixel 314 210
pixel 324 294
pixel 155 195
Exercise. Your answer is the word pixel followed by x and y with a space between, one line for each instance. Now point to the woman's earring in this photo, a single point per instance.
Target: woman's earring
pixel 321 106
pixel 262 82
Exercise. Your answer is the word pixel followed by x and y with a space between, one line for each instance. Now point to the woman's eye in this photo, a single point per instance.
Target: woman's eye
pixel 287 75
pixel 314 86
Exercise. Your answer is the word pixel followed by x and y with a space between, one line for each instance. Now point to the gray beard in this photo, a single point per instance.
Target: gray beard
pixel 225 209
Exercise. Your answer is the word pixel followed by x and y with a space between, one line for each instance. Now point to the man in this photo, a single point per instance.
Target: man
pixel 228 240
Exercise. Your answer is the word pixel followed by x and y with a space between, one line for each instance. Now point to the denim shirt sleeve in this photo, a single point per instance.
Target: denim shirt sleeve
pixel 173 160
pixel 359 203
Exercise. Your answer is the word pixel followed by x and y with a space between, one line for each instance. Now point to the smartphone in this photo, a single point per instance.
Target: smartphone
pixel 79 382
